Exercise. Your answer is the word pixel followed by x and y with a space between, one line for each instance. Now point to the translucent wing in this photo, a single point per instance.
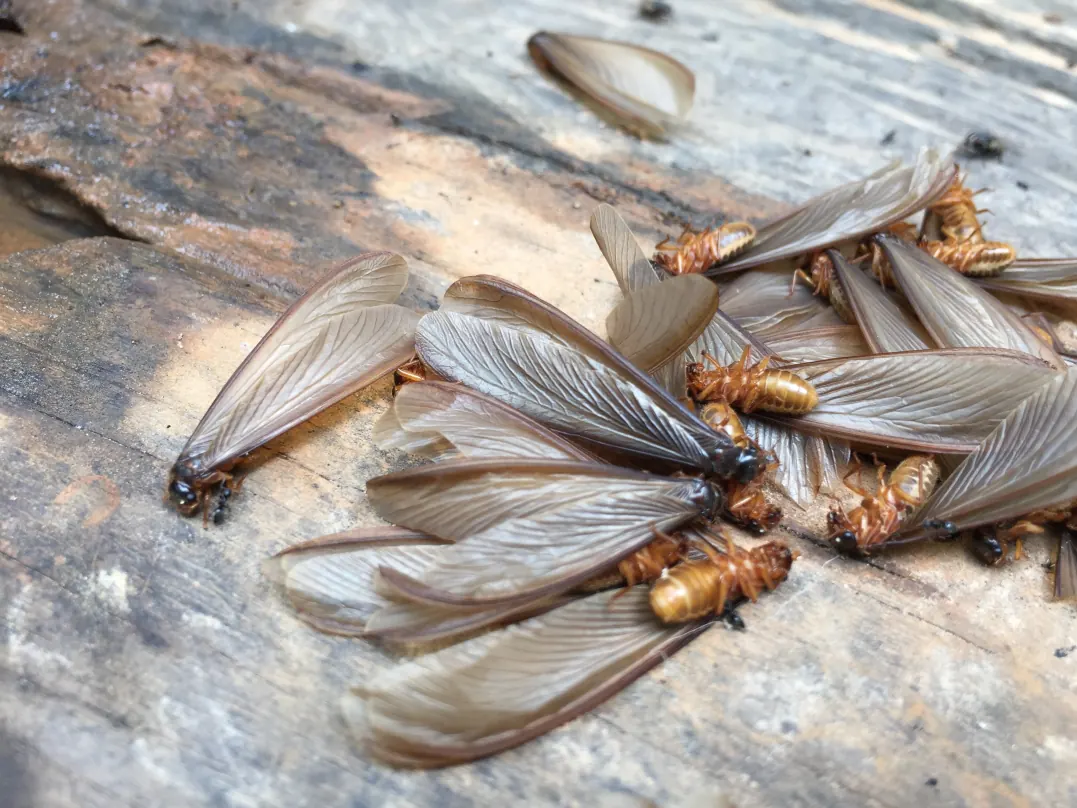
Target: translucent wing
pixel 656 323
pixel 330 581
pixel 760 301
pixel 643 90
pixel 808 463
pixel 849 212
pixel 339 337
pixel 582 388
pixel 931 401
pixel 439 419
pixel 954 310
pixel 622 252
pixel 816 344
pixel 526 529
pixel 1050 279
pixel 508 687
pixel 886 326
pixel 1027 463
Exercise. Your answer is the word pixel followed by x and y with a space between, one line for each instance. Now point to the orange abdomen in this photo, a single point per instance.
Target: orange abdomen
pixel 786 393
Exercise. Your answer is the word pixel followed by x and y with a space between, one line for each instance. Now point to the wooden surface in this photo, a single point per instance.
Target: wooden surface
pixel 220 154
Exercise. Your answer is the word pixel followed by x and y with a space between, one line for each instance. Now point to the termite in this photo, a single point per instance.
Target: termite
pixel 698 252
pixel 957 214
pixel 702 587
pixel 411 371
pixel 879 515
pixel 751 388
pixel 824 282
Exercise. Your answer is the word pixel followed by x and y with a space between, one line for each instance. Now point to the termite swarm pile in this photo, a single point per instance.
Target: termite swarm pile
pixel 567 534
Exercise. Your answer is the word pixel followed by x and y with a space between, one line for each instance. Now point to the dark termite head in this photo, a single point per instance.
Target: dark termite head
pixel 945 530
pixel 750 462
pixel 983 145
pixel 221 509
pixel 845 543
pixel 987 548
pixel 181 492
pixel 708 497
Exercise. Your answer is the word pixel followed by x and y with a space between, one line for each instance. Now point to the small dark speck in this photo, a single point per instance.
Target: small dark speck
pixel 931 781
pixel 789 727
pixel 1048 565
pixel 489 54
pixel 888 138
pixel 655 10
pixel 168 426
pixel 596 280
pixel 1062 653
pixel 806 152
pixel 710 36
pixel 360 67
pixel 1053 18
pixel 395 119
pixel 1022 185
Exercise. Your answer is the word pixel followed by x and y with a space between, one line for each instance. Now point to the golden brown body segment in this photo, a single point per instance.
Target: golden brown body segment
pixel 982 259
pixel 698 252
pixel 699 588
pixel 751 388
pixel 879 515
pixel 958 214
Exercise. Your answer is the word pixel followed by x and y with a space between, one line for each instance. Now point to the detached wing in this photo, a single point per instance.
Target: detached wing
pixel 622 252
pixel 1027 463
pixel 955 311
pixel 887 327
pixel 506 688
pixel 849 212
pixel 929 401
pixel 762 302
pixel 339 337
pixel 817 344
pixel 525 529
pixel 1050 279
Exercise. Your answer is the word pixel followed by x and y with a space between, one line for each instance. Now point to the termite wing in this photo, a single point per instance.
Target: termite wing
pixel 761 302
pixel 954 310
pixel 1028 464
pixel 848 213
pixel 1052 280
pixel 340 336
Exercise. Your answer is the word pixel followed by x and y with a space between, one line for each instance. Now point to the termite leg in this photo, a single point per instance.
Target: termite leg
pixel 800 274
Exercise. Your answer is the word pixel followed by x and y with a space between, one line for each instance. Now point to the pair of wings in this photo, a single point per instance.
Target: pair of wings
pixel 340 336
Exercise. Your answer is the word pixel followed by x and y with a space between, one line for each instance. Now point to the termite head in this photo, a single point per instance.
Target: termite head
pixel 708 497
pixel 181 493
pixel 748 464
pixel 987 548
pixel 842 538
pixel 778 558
pixel 945 529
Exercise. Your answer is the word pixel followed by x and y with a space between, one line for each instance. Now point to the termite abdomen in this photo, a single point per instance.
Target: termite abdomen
pixel 751 388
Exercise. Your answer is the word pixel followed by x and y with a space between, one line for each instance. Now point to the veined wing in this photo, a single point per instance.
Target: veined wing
pixel 886 326
pixel 760 302
pixel 930 401
pixel 808 464
pixel 528 529
pixel 849 212
pixel 817 344
pixel 501 690
pixel 654 324
pixel 1050 279
pixel 1066 566
pixel 339 337
pixel 610 403
pixel 330 580
pixel 954 310
pixel 440 419
pixel 622 252
pixel 1029 462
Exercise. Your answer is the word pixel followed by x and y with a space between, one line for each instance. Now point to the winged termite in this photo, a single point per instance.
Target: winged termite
pixel 848 213
pixel 751 388
pixel 532 527
pixel 954 310
pixel 501 341
pixel 501 690
pixel 695 252
pixel 642 90
pixel 340 336
pixel 887 326
pixel 879 514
